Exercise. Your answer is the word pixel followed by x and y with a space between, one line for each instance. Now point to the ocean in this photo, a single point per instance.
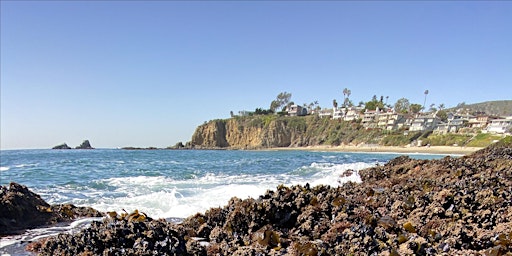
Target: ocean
pixel 168 184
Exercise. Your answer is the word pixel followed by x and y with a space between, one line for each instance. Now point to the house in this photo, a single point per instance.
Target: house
pixel 296 110
pixel 480 121
pixel 352 113
pixel 326 112
pixel 424 123
pixel 370 118
pixel 501 126
pixel 451 126
pixel 337 113
pixel 244 113
pixel 395 121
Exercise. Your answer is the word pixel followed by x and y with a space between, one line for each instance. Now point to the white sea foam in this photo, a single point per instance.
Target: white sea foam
pixel 164 197
pixel 25 165
pixel 4 168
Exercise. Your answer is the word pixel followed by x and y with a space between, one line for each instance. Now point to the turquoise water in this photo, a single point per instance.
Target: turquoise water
pixel 170 183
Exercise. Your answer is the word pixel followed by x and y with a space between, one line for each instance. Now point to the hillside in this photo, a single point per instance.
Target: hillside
pixel 498 108
pixel 270 131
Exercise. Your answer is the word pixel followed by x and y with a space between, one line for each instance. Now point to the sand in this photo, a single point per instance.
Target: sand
pixel 391 149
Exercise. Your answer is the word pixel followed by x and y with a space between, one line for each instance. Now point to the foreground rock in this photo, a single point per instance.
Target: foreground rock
pixel 22 209
pixel 452 206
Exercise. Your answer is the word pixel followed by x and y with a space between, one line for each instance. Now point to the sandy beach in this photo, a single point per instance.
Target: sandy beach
pixel 391 149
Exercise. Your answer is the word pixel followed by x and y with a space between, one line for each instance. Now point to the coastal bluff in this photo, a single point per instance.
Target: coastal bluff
pixel 275 131
pixel 262 132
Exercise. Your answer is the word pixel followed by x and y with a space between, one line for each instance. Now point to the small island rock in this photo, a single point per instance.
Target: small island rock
pixel 62 146
pixel 85 145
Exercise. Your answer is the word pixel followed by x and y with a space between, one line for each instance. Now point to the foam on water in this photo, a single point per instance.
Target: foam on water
pixel 162 197
pixel 4 168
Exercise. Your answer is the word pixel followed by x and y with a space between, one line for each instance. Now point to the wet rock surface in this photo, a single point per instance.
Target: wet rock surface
pixel 451 206
pixel 22 209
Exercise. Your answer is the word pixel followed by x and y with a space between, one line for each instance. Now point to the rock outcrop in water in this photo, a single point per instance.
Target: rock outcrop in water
pixel 62 146
pixel 85 145
pixel 451 206
pixel 22 209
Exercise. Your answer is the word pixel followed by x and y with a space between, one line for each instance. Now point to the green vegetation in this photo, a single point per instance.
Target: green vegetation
pixel 483 140
pixel 447 140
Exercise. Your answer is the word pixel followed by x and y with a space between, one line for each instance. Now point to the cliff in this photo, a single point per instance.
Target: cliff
pixel 279 131
pixel 269 131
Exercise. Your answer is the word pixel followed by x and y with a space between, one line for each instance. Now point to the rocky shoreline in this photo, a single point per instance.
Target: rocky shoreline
pixel 23 209
pixel 451 206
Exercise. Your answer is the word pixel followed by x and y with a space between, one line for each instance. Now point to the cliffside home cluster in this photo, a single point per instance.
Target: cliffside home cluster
pixel 392 121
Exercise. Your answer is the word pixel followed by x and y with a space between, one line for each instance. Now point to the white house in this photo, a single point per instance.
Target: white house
pixel 500 126
pixel 296 110
pixel 424 123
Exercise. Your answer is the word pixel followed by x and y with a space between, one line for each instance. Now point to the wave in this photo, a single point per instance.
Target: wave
pixel 163 197
pixel 4 168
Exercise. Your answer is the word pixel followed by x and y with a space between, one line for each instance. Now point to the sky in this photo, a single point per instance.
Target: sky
pixel 147 73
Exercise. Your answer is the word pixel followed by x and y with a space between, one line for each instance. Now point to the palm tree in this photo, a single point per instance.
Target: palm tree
pixel 335 104
pixel 346 94
pixel 425 101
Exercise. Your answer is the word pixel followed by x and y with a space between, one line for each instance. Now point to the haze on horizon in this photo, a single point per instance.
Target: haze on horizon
pixel 131 73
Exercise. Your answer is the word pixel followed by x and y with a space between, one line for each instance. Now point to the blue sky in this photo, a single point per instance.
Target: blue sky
pixel 134 73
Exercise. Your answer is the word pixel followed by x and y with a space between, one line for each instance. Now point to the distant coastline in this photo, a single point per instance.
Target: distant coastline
pixel 390 149
pixel 344 148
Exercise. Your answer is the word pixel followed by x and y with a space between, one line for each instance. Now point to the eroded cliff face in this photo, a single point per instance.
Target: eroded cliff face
pixel 252 133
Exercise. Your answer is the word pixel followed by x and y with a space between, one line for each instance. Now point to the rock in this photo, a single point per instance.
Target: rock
pixel 62 146
pixel 85 145
pixel 22 209
pixel 120 237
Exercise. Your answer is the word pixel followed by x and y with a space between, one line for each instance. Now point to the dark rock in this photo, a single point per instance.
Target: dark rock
pixel 22 209
pixel 85 145
pixel 62 146
pixel 120 237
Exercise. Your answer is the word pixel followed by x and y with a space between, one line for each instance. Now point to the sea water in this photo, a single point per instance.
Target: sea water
pixel 170 183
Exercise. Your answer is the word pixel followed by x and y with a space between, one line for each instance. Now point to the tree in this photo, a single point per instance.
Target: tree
pixel 260 111
pixel 415 108
pixel 432 108
pixel 402 105
pixel 334 104
pixel 374 104
pixel 346 95
pixel 425 101
pixel 442 115
pixel 281 101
